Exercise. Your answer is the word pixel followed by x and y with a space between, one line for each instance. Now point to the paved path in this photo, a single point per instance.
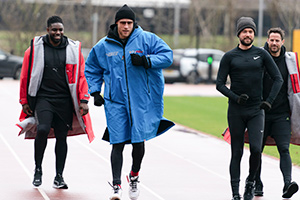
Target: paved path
pixel 181 89
pixel 181 164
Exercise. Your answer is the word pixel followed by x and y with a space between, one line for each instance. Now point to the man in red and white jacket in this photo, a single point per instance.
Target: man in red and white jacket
pixel 54 96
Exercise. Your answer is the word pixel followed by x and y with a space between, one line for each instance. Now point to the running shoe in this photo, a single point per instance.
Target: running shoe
pixel 116 193
pixel 134 192
pixel 37 178
pixel 236 197
pixel 290 189
pixel 258 191
pixel 59 182
pixel 249 190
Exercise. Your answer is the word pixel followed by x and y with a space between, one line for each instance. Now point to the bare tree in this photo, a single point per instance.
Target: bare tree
pixel 207 18
pixel 23 21
pixel 107 17
pixel 287 11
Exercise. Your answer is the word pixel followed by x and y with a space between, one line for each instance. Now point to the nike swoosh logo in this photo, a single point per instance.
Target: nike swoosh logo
pixel 256 57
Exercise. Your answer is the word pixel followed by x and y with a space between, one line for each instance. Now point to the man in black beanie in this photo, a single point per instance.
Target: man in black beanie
pixel 125 12
pixel 245 66
pixel 129 61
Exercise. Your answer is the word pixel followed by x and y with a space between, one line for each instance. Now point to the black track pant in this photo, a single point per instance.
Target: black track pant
pixel 279 127
pixel 138 151
pixel 45 119
pixel 241 118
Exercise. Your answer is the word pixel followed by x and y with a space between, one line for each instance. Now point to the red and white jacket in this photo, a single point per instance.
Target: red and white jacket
pixel 292 63
pixel 76 82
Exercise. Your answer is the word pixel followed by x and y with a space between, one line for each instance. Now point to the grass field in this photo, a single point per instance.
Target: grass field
pixel 209 115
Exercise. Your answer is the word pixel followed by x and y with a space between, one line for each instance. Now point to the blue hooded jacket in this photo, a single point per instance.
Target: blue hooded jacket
pixel 133 95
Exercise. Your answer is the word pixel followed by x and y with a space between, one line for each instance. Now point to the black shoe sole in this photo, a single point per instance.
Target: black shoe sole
pixel 36 185
pixel 60 187
pixel 258 194
pixel 292 189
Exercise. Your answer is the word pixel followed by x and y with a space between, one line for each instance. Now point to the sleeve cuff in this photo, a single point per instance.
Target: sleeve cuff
pixel 84 101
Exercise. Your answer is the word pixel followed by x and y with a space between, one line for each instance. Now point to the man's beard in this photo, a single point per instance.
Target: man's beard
pixel 246 44
pixel 274 51
pixel 55 41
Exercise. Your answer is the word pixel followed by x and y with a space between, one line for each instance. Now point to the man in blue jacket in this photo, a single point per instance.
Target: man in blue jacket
pixel 129 61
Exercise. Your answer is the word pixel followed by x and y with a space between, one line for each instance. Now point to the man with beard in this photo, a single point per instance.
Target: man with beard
pixel 129 61
pixel 277 119
pixel 245 66
pixel 54 96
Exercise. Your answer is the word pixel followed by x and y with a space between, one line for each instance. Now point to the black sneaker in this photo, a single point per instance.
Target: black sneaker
pixel 258 191
pixel 249 190
pixel 290 189
pixel 37 178
pixel 59 182
pixel 236 197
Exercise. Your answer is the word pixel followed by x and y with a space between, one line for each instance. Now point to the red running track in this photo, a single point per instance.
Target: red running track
pixel 181 164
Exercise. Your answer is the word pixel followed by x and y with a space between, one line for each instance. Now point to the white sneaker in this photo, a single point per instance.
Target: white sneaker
pixel 117 193
pixel 134 192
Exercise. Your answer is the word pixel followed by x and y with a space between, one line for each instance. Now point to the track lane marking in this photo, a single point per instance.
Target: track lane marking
pixel 41 191
pixel 190 161
pixel 158 197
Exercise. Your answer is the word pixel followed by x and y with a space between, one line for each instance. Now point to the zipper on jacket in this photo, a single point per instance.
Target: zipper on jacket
pixel 129 103
pixel 73 74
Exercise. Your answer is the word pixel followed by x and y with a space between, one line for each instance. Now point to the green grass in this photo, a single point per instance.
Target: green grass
pixel 209 115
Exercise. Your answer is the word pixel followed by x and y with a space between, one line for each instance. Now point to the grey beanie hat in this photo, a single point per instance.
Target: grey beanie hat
pixel 245 22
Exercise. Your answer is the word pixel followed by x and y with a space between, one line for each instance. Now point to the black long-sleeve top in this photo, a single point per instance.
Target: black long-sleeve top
pixel 54 83
pixel 281 103
pixel 245 69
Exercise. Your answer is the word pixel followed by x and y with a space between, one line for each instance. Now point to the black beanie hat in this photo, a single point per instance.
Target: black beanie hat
pixel 125 13
pixel 245 22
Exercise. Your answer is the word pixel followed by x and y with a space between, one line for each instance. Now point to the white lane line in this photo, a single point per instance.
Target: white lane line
pixel 42 192
pixel 108 162
pixel 190 161
pixel 91 150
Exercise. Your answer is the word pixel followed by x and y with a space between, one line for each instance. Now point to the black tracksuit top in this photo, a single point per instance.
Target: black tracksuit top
pixel 245 69
pixel 281 103
pixel 54 83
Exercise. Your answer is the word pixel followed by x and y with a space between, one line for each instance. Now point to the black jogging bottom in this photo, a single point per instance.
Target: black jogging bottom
pixel 56 114
pixel 278 126
pixel 241 118
pixel 138 152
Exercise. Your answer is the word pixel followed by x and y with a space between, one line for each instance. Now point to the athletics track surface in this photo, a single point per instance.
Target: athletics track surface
pixel 179 165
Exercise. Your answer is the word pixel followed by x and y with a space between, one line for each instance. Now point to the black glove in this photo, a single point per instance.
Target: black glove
pixel 265 105
pixel 242 99
pixel 98 99
pixel 140 60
